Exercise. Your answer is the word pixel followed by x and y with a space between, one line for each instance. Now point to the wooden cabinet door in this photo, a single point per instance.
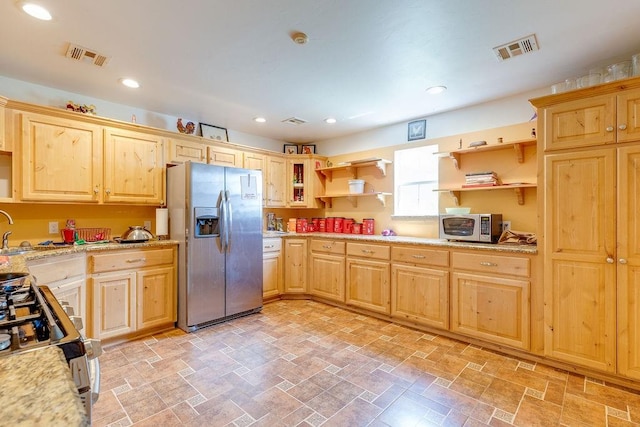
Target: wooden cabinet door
pixel 276 182
pixel 134 168
pixel 298 183
pixel 223 156
pixel 628 116
pixel 420 295
pixel 254 161
pixel 327 276
pixel 182 150
pixel 114 301
pixel 271 274
pixel 75 293
pixel 156 301
pixel 628 259
pixel 295 265
pixel 367 285
pixel 580 123
pixel 579 258
pixel 491 308
pixel 61 159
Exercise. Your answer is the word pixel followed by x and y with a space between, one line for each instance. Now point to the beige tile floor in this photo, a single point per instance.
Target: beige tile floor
pixel 303 363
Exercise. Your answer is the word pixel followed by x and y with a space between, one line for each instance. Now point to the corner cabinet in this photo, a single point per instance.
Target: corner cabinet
pixel 518 152
pixel 302 185
pixel 295 266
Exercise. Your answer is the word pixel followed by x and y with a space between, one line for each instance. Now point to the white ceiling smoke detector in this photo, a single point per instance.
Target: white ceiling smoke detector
pixel 516 48
pixel 299 38
pixel 80 53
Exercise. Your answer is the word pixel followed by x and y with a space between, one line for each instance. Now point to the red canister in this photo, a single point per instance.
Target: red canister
pixel 315 222
pixel 347 226
pixel 367 226
pixel 357 228
pixel 301 225
pixel 322 225
pixel 330 224
pixel 337 225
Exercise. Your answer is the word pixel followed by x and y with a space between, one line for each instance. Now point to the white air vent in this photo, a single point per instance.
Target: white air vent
pixel 80 53
pixel 517 47
pixel 294 121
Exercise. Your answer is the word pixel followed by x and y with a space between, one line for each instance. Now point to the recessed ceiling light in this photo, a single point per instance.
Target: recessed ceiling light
pixel 259 119
pixel 330 120
pixel 36 11
pixel 130 83
pixel 434 90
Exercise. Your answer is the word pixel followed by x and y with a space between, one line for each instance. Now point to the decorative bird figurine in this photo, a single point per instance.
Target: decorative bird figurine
pixel 180 126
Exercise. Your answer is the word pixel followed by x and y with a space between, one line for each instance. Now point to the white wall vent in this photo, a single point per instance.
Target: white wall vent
pixel 516 48
pixel 294 121
pixel 80 53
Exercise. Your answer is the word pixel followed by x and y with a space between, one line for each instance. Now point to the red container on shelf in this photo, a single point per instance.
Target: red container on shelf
pixel 337 225
pixel 368 226
pixel 330 223
pixel 322 225
pixel 357 228
pixel 347 226
pixel 301 225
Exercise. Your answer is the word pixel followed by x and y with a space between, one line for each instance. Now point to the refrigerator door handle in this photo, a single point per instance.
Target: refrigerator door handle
pixel 228 219
pixel 223 221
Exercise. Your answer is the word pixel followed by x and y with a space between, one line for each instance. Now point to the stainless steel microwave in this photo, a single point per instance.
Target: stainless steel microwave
pixel 483 228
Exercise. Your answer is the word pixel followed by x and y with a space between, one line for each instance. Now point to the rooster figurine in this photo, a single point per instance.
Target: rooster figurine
pixel 189 129
pixel 180 126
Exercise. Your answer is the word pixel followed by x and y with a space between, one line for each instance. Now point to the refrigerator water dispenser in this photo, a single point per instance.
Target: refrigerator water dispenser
pixel 207 222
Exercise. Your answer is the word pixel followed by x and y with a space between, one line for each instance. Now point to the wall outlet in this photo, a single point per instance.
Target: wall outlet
pixel 506 225
pixel 147 225
pixel 53 227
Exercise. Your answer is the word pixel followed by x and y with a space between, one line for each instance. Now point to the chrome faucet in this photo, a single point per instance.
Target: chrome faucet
pixel 5 236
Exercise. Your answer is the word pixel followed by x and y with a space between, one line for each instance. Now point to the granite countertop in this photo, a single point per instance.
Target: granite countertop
pixel 421 241
pixel 37 389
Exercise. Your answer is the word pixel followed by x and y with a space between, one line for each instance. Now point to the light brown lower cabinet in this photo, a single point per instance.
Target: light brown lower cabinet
pixel 326 269
pixel 271 267
pixel 368 277
pixel 132 290
pixel 295 266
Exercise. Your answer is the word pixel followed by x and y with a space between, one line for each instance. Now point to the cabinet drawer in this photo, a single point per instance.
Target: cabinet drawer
pixel 368 251
pixel 328 247
pixel 436 257
pixel 124 260
pixel 50 270
pixel 271 245
pixel 499 264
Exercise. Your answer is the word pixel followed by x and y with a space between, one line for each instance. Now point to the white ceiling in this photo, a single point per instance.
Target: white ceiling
pixel 367 62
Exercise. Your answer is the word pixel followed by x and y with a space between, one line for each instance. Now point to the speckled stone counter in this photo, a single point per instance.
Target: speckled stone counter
pixel 421 241
pixel 37 389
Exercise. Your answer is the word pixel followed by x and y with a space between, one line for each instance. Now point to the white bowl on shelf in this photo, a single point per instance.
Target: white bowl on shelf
pixel 459 210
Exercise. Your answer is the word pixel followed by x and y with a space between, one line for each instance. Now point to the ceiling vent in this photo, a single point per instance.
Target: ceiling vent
pixel 80 53
pixel 516 48
pixel 294 121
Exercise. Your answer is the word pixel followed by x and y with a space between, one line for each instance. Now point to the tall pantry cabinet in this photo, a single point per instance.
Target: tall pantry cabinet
pixel 589 233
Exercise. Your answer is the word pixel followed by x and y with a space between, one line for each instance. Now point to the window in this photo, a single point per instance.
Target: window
pixel 415 177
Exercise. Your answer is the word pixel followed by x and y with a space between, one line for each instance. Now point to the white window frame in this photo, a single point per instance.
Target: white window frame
pixel 415 170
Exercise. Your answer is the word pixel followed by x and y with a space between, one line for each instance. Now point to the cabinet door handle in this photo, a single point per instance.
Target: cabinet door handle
pixel 96 190
pixel 367 251
pixel 268 246
pixel 622 127
pixel 609 128
pixel 136 260
pixel 418 256
pixel 610 260
pixel 327 246
pixel 622 261
pixel 108 191
pixel 488 264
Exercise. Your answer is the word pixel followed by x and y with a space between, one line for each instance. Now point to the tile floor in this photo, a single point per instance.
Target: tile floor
pixel 303 363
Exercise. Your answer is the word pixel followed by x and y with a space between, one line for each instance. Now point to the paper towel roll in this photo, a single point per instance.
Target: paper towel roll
pixel 162 222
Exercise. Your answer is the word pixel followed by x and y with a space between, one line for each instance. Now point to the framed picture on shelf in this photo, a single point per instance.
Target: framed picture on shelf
pixel 309 149
pixel 290 149
pixel 417 130
pixel 214 132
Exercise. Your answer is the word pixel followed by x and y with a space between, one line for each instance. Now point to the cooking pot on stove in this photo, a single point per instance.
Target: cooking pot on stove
pixel 136 233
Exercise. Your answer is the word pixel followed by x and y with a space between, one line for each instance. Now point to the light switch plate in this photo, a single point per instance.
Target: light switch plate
pixel 147 225
pixel 506 225
pixel 53 227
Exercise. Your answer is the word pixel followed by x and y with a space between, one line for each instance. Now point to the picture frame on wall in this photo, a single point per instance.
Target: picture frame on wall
pixel 290 149
pixel 308 148
pixel 416 130
pixel 214 132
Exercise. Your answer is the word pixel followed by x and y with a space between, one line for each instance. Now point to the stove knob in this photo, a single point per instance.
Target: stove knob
pixel 93 348
pixel 77 322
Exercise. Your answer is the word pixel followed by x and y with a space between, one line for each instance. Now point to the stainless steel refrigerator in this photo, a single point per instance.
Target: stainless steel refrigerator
pixel 215 213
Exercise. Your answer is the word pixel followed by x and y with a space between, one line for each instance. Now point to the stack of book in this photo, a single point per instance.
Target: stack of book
pixel 481 179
